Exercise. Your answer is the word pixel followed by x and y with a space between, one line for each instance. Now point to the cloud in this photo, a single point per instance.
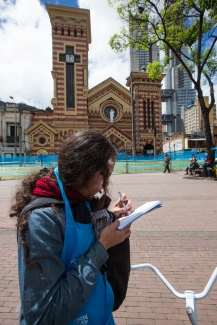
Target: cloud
pixel 103 61
pixel 26 52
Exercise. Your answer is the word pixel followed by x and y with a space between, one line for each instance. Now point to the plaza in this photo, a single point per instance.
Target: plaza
pixel 180 239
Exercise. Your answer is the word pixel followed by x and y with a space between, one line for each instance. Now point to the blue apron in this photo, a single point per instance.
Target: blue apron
pixel 78 238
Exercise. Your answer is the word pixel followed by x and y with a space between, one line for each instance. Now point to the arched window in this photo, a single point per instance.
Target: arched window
pixel 149 113
pixel 144 113
pixel 152 114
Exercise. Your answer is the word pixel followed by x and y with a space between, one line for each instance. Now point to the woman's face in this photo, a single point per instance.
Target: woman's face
pixel 98 180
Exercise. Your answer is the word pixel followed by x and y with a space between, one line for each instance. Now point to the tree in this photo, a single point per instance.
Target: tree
pixel 174 25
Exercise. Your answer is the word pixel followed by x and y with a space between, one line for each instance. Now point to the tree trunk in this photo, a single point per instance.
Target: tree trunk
pixel 208 134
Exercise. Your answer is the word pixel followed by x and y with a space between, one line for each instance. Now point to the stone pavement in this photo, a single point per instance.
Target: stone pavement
pixel 180 239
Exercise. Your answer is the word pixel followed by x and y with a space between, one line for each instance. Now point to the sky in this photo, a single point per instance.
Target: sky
pixel 26 49
pixel 26 54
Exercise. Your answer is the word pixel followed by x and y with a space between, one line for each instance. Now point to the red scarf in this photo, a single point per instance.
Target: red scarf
pixel 47 186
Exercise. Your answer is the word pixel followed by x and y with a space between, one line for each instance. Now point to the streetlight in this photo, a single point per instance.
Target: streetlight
pixel 20 137
pixel 20 132
pixel 15 136
pixel 133 120
pixel 154 131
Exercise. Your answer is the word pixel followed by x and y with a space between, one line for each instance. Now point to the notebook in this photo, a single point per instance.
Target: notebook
pixel 138 212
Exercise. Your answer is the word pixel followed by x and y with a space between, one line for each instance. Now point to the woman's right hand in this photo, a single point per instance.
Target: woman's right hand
pixel 111 235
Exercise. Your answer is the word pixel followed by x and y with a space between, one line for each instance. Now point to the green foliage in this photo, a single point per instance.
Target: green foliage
pixel 174 25
pixel 155 70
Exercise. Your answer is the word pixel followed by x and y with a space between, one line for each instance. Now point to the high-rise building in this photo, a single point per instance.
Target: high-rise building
pixel 141 58
pixel 193 119
pixel 181 92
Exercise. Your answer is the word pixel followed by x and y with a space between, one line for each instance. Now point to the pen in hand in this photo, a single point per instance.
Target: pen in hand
pixel 123 203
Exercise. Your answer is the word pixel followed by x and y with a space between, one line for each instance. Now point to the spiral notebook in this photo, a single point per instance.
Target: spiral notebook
pixel 138 212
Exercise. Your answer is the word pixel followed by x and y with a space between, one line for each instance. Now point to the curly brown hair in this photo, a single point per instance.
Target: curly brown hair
pixel 80 156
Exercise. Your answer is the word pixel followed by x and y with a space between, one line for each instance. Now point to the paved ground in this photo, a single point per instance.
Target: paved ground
pixel 180 239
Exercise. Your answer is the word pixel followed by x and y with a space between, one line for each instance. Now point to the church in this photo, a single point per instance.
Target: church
pixel 131 119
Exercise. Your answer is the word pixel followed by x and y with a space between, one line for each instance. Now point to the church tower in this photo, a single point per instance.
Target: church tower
pixel 71 36
pixel 105 108
pixel 146 113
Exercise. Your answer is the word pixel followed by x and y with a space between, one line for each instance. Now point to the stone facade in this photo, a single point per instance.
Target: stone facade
pixel 14 120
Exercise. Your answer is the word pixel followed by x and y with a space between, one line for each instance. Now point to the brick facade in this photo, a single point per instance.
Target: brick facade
pixel 146 94
pixel 105 108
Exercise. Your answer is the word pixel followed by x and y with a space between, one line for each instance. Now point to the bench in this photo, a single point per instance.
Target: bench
pixel 198 172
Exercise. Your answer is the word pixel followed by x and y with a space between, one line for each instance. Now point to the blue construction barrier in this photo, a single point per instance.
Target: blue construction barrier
pixel 174 155
pixel 11 168
pixel 123 156
pixel 29 160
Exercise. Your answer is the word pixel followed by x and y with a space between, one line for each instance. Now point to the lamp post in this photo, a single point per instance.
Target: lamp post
pixel 15 135
pixel 154 131
pixel 20 137
pixel 133 120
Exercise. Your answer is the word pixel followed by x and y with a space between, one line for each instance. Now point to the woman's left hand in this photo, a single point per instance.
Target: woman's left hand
pixel 119 210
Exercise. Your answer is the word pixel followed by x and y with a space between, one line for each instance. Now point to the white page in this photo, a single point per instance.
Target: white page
pixel 138 212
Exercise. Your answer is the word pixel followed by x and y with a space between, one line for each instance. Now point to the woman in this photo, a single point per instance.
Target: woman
pixel 59 259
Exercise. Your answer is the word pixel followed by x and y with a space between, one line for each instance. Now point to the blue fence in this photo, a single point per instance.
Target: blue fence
pixel 174 155
pixel 123 156
pixel 11 168
pixel 29 160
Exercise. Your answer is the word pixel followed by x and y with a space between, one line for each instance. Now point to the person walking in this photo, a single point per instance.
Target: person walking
pixel 59 255
pixel 167 163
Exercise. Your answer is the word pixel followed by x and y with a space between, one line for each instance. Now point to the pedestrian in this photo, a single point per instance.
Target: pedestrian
pixel 167 163
pixel 193 165
pixel 193 157
pixel 207 167
pixel 206 156
pixel 59 259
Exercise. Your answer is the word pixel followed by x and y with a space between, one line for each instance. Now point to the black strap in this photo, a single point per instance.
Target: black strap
pixel 41 202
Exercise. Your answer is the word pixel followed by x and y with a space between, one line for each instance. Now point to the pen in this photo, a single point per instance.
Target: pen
pixel 123 203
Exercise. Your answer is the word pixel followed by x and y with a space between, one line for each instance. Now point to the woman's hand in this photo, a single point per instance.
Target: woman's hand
pixel 119 210
pixel 111 236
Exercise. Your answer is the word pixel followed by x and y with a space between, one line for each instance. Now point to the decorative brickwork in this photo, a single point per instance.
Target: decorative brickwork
pixel 105 108
pixel 147 111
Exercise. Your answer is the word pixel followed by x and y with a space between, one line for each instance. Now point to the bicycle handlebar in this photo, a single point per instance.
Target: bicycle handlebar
pixel 198 296
pixel 189 295
pixel 153 268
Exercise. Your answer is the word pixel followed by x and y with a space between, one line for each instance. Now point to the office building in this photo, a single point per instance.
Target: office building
pixel 193 119
pixel 139 59
pixel 179 87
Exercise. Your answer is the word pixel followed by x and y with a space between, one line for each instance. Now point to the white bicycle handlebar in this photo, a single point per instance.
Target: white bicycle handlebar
pixel 190 296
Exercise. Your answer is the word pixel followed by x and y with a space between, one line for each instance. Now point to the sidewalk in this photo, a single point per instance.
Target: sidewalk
pixel 180 239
